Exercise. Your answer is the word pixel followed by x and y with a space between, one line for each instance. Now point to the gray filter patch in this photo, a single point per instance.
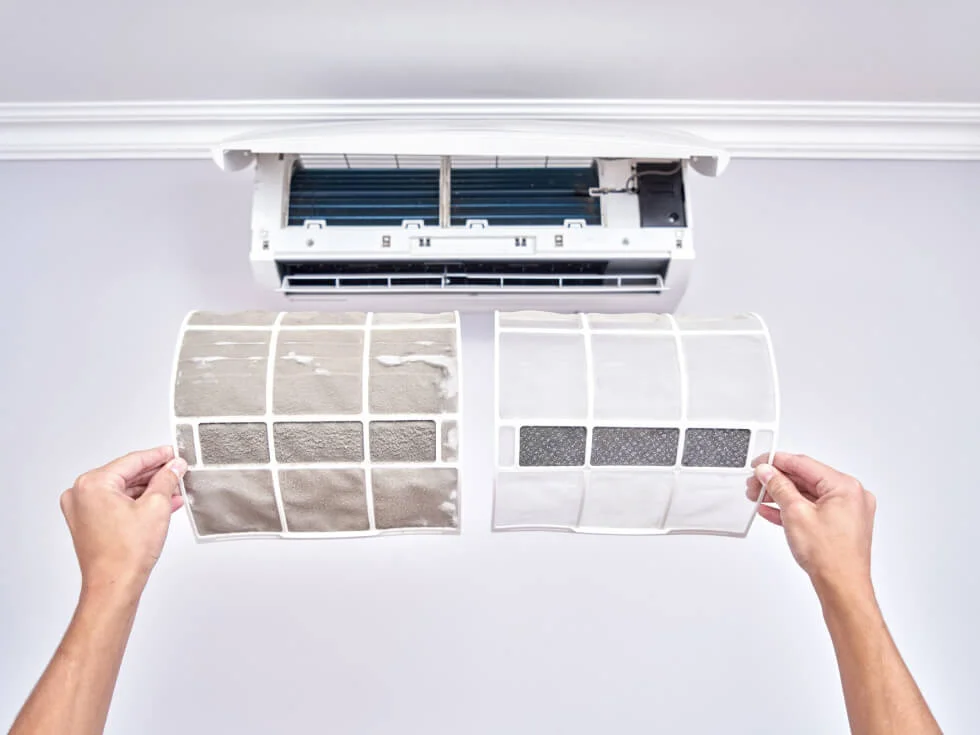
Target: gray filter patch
pixel 318 372
pixel 312 441
pixel 234 319
pixel 632 446
pixel 422 498
pixel 716 447
pixel 234 443
pixel 403 441
pixel 231 501
pixel 324 500
pixel 320 318
pixel 413 371
pixel 185 444
pixel 450 441
pixel 222 373
pixel 552 446
pixel 446 317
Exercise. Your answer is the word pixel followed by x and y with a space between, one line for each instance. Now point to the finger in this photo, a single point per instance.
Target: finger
pixel 137 486
pixel 753 487
pixel 166 482
pixel 812 475
pixel 142 478
pixel 779 487
pixel 130 466
pixel 753 491
pixel 804 482
pixel 771 514
pixel 65 501
pixel 136 491
pixel 176 503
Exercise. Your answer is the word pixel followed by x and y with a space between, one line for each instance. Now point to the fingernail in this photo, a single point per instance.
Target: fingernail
pixel 764 472
pixel 178 467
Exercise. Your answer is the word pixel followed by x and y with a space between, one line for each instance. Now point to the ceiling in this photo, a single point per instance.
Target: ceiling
pixel 858 50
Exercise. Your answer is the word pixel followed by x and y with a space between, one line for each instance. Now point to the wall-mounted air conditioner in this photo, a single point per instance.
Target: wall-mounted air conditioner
pixel 475 214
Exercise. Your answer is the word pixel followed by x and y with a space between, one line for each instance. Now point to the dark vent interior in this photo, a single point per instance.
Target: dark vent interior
pixel 387 197
pixel 661 194
pixel 308 275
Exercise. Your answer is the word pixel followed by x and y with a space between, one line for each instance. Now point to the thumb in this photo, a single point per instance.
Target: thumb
pixel 166 482
pixel 780 488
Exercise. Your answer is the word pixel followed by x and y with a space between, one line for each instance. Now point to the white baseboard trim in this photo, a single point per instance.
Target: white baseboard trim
pixel 189 130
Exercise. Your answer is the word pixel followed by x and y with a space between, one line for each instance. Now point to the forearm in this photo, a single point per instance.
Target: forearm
pixel 880 693
pixel 73 695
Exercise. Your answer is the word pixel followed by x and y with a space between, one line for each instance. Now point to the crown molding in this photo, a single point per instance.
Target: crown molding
pixel 190 130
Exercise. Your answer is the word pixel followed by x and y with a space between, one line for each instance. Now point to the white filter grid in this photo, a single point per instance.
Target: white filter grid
pixel 333 418
pixel 589 422
pixel 496 415
pixel 774 428
pixel 323 535
pixel 174 421
pixel 606 531
pixel 639 423
pixel 626 469
pixel 365 417
pixel 196 432
pixel 313 327
pixel 634 332
pixel 685 397
pixel 589 412
pixel 202 469
pixel 458 418
pixel 609 531
pixel 438 423
pixel 365 420
pixel 270 374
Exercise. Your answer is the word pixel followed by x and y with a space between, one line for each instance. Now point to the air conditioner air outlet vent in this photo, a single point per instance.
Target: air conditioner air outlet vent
pixel 299 277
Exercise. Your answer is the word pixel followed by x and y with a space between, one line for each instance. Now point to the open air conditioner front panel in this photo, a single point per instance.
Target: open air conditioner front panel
pixel 520 213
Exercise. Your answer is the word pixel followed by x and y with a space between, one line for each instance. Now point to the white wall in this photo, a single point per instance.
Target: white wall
pixel 867 274
pixel 296 49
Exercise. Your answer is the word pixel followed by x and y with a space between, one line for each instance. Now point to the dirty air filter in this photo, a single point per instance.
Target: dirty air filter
pixel 630 423
pixel 308 424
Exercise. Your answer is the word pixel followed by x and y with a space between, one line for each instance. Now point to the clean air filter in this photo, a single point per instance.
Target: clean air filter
pixel 308 424
pixel 632 423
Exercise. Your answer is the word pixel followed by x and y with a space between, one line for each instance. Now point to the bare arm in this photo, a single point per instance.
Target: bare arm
pixel 118 516
pixel 828 518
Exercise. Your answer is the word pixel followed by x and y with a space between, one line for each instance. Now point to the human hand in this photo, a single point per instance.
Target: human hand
pixel 828 518
pixel 118 516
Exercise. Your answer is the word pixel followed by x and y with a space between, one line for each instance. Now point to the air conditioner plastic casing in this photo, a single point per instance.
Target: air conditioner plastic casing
pixel 474 214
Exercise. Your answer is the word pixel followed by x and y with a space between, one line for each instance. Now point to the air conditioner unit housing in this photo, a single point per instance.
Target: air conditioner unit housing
pixel 475 214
